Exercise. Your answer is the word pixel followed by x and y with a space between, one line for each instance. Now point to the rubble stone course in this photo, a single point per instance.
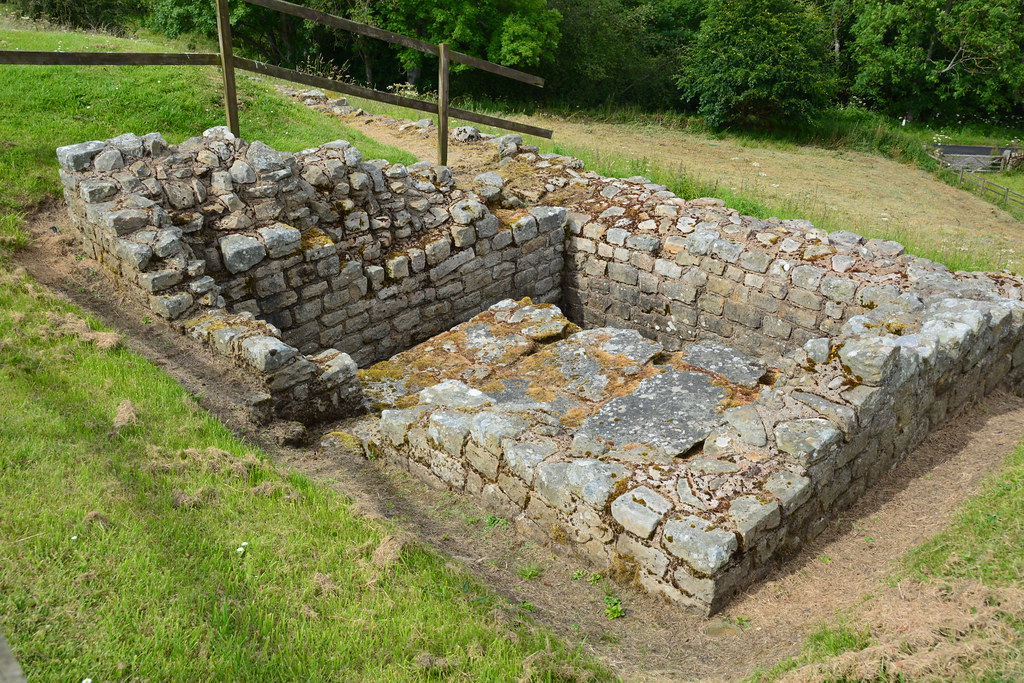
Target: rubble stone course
pixel 660 385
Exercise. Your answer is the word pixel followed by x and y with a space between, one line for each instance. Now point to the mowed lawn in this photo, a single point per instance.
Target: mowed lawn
pixel 139 539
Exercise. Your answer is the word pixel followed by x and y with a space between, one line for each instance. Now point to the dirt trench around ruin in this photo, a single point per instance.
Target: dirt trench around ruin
pixel 654 641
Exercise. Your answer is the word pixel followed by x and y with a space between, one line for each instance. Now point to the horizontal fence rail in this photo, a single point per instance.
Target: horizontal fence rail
pixel 396 39
pixel 386 97
pixel 228 62
pixel 1008 196
pixel 109 58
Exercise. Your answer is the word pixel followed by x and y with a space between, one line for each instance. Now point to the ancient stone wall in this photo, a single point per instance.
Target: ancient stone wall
pixel 740 380
pixel 334 253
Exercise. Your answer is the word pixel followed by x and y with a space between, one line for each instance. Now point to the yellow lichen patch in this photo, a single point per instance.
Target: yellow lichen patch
pixel 348 441
pixel 574 417
pixel 314 237
pixel 407 401
pixel 386 369
pixel 540 393
pixel 895 327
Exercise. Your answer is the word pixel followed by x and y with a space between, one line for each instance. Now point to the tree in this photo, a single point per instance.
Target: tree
pixel 518 33
pixel 940 56
pixel 758 63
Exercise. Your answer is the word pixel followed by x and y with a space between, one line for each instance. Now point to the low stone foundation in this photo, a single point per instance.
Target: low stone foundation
pixel 739 380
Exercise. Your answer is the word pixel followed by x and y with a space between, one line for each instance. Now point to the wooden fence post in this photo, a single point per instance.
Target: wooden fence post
pixel 442 105
pixel 227 65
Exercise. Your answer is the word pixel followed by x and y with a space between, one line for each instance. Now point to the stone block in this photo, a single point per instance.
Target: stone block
pixel 640 510
pixel 241 252
pixel 695 541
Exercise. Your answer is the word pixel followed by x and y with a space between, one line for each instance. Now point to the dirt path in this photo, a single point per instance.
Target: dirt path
pixel 654 642
pixel 861 191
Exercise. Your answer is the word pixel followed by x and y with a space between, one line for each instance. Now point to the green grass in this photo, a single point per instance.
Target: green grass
pixel 157 590
pixel 986 541
pixel 822 644
pixel 49 106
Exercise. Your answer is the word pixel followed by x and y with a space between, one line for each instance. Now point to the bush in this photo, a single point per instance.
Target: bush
pixel 759 64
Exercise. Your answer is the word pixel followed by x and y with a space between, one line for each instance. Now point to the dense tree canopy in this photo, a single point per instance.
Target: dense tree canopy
pixel 733 62
pixel 758 63
pixel 935 56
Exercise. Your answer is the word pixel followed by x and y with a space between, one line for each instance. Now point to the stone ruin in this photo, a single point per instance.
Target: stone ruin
pixel 658 385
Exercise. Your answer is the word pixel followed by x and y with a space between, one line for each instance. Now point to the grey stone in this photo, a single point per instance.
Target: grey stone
pixel 448 430
pixel 747 422
pixel 807 440
pixel 524 230
pixel 466 134
pixel 838 289
pixel 737 367
pixel 109 160
pixel 96 190
pixel 241 252
pixel 595 481
pixel 394 424
pixel 886 249
pixel 843 240
pixel 438 251
pixel 463 235
pixel 841 415
pixel 790 488
pixel 129 144
pixel 807 277
pixel 267 354
pixel 79 157
pixel 489 429
pixel 264 158
pixel 155 281
pixel 553 485
pixel 467 211
pixel 242 173
pixel 640 510
pixel 753 517
pixel 523 458
pixel 280 240
pixel 872 359
pixel 154 144
pixel 454 394
pixel 549 217
pixel 171 306
pixel 673 410
pixel 702 546
pixel 138 255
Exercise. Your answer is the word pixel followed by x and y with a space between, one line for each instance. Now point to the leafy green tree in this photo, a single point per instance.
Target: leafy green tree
pixel 758 63
pixel 940 56
pixel 519 33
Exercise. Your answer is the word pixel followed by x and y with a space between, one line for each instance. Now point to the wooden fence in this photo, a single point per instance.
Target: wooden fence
pixel 228 62
pixel 1006 195
pixel 985 187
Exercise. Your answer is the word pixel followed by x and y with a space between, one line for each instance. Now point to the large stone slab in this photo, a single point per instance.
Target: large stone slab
pixel 674 410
